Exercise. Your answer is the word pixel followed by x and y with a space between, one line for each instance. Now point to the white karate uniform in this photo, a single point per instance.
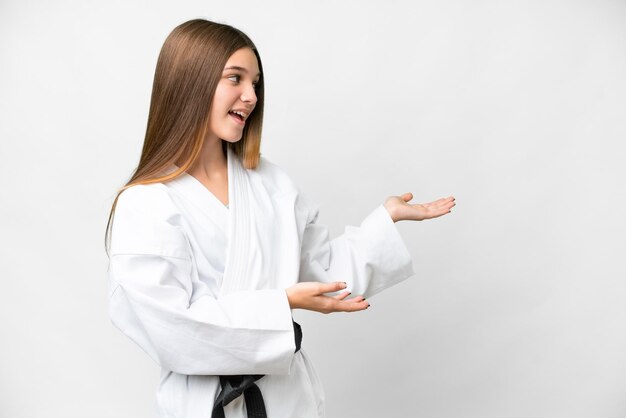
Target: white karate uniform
pixel 200 287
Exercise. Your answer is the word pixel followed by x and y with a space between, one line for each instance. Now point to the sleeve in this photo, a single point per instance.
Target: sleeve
pixel 369 258
pixel 152 300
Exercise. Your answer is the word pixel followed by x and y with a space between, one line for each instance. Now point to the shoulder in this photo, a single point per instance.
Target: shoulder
pixel 147 221
pixel 275 177
pixel 152 201
pixel 144 194
pixel 304 206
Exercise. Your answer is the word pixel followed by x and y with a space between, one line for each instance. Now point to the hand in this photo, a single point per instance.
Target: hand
pixel 310 296
pixel 400 210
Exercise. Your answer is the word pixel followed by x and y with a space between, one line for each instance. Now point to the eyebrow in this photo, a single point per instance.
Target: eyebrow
pixel 235 67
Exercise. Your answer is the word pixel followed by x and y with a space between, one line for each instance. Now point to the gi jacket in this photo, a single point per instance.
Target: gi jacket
pixel 200 287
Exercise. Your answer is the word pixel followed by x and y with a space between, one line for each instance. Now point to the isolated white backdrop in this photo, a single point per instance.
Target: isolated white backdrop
pixel 516 108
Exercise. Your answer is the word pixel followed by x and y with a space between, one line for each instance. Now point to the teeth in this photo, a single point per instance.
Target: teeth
pixel 243 116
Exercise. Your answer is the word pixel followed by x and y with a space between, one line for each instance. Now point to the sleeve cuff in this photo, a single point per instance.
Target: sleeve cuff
pixel 268 310
pixel 392 256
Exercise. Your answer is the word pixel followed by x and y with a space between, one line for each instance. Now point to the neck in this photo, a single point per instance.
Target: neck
pixel 212 161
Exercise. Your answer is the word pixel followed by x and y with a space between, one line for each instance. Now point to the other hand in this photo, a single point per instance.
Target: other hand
pixel 400 210
pixel 310 296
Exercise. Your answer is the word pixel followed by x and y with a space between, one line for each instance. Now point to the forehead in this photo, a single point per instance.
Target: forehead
pixel 245 60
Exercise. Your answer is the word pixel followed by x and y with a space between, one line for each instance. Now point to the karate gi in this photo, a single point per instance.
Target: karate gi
pixel 200 287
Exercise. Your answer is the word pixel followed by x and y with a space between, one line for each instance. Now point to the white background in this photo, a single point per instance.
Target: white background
pixel 517 108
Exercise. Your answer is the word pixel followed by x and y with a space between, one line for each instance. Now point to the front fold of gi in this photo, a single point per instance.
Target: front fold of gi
pixel 201 287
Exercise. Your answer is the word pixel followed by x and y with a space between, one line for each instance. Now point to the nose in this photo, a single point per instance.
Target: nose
pixel 249 95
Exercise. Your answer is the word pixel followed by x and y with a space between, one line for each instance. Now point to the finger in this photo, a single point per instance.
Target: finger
pixel 434 209
pixel 348 306
pixel 441 201
pixel 331 287
pixel 358 306
pixel 438 202
pixel 447 206
pixel 342 296
pixel 442 204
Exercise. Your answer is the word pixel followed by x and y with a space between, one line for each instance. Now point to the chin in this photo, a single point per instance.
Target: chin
pixel 233 139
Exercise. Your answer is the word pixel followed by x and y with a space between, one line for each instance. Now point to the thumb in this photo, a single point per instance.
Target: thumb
pixel 407 196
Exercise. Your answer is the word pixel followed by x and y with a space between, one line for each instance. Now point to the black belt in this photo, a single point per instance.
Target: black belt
pixel 234 386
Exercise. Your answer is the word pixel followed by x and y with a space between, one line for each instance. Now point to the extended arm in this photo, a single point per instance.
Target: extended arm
pixel 370 257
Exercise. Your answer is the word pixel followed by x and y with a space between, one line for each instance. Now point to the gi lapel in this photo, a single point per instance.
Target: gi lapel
pixel 239 227
pixel 196 194
pixel 255 234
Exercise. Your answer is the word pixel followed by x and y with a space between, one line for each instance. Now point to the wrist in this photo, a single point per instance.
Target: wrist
pixel 391 211
pixel 290 299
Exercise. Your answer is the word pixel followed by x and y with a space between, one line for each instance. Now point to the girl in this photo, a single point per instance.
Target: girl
pixel 211 246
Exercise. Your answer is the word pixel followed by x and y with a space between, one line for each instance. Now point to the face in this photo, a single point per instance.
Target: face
pixel 235 93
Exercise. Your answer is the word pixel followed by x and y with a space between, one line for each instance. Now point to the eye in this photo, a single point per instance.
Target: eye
pixel 237 78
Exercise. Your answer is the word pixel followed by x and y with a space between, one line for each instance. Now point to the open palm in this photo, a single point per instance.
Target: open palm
pixel 399 208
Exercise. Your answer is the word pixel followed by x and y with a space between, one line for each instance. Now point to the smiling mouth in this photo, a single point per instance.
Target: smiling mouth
pixel 237 117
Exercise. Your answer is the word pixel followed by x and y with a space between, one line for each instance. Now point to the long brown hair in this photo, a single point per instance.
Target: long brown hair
pixel 188 70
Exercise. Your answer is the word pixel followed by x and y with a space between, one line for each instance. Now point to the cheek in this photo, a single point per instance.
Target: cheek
pixel 219 100
pixel 224 98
